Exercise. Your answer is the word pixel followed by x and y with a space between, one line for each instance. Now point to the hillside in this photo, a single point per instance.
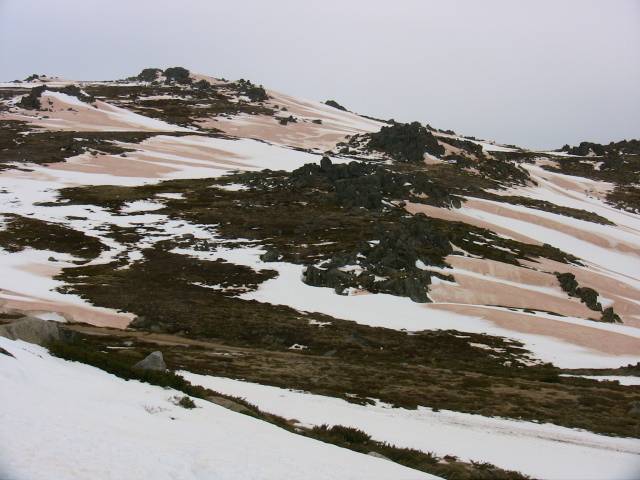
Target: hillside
pixel 366 273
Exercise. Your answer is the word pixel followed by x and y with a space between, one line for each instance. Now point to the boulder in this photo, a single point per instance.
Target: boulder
pixel 4 352
pixel 325 164
pixel 229 404
pixel 35 330
pixel 153 361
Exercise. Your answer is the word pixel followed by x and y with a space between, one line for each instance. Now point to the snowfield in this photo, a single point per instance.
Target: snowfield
pixel 65 421
pixel 568 454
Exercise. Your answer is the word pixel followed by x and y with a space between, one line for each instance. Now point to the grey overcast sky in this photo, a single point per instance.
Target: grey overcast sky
pixel 536 73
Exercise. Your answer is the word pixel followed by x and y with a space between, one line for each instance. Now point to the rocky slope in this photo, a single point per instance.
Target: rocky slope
pixel 252 235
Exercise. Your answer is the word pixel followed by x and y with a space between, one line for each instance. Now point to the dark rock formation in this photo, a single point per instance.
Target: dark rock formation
pixel 149 74
pixel 405 142
pixel 334 104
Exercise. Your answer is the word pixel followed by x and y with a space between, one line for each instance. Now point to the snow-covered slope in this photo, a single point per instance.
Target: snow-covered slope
pixel 65 420
pixel 567 454
pixel 458 305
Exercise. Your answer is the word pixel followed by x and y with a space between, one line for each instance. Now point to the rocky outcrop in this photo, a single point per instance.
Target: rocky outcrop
pixel 405 142
pixel 153 361
pixel 34 330
pixel 334 104
pixel 149 74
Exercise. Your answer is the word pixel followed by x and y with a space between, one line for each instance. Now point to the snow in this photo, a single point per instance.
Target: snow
pixel 491 147
pixel 510 444
pixel 401 313
pixel 27 277
pixel 21 193
pixel 556 154
pixel 65 421
pixel 64 98
pixel 25 189
pixel 621 379
pixel 170 196
pixel 50 316
pixel 135 119
pixel 16 278
pixel 233 187
pixel 627 264
pixel 141 206
pixel 99 116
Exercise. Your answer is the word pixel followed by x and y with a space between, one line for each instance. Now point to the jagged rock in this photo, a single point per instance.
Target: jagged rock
pixel 271 255
pixel 153 361
pixel 334 104
pixel 411 286
pixel 32 99
pixel 177 74
pixel 333 278
pixel 149 74
pixel 254 92
pixel 405 142
pixel 610 316
pixel 325 164
pixel 34 330
pixel 202 84
pixel 4 352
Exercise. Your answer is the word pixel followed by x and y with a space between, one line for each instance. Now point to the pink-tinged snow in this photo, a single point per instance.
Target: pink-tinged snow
pixel 400 313
pixel 65 420
pixel 66 112
pixel 336 124
pixel 460 305
pixel 539 450
pixel 27 284
pixel 168 157
pixel 489 282
pixel 26 278
pixel 487 146
pixel 611 253
pixel 606 247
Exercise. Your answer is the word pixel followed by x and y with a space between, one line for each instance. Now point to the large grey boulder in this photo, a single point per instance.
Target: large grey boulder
pixel 35 330
pixel 153 361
